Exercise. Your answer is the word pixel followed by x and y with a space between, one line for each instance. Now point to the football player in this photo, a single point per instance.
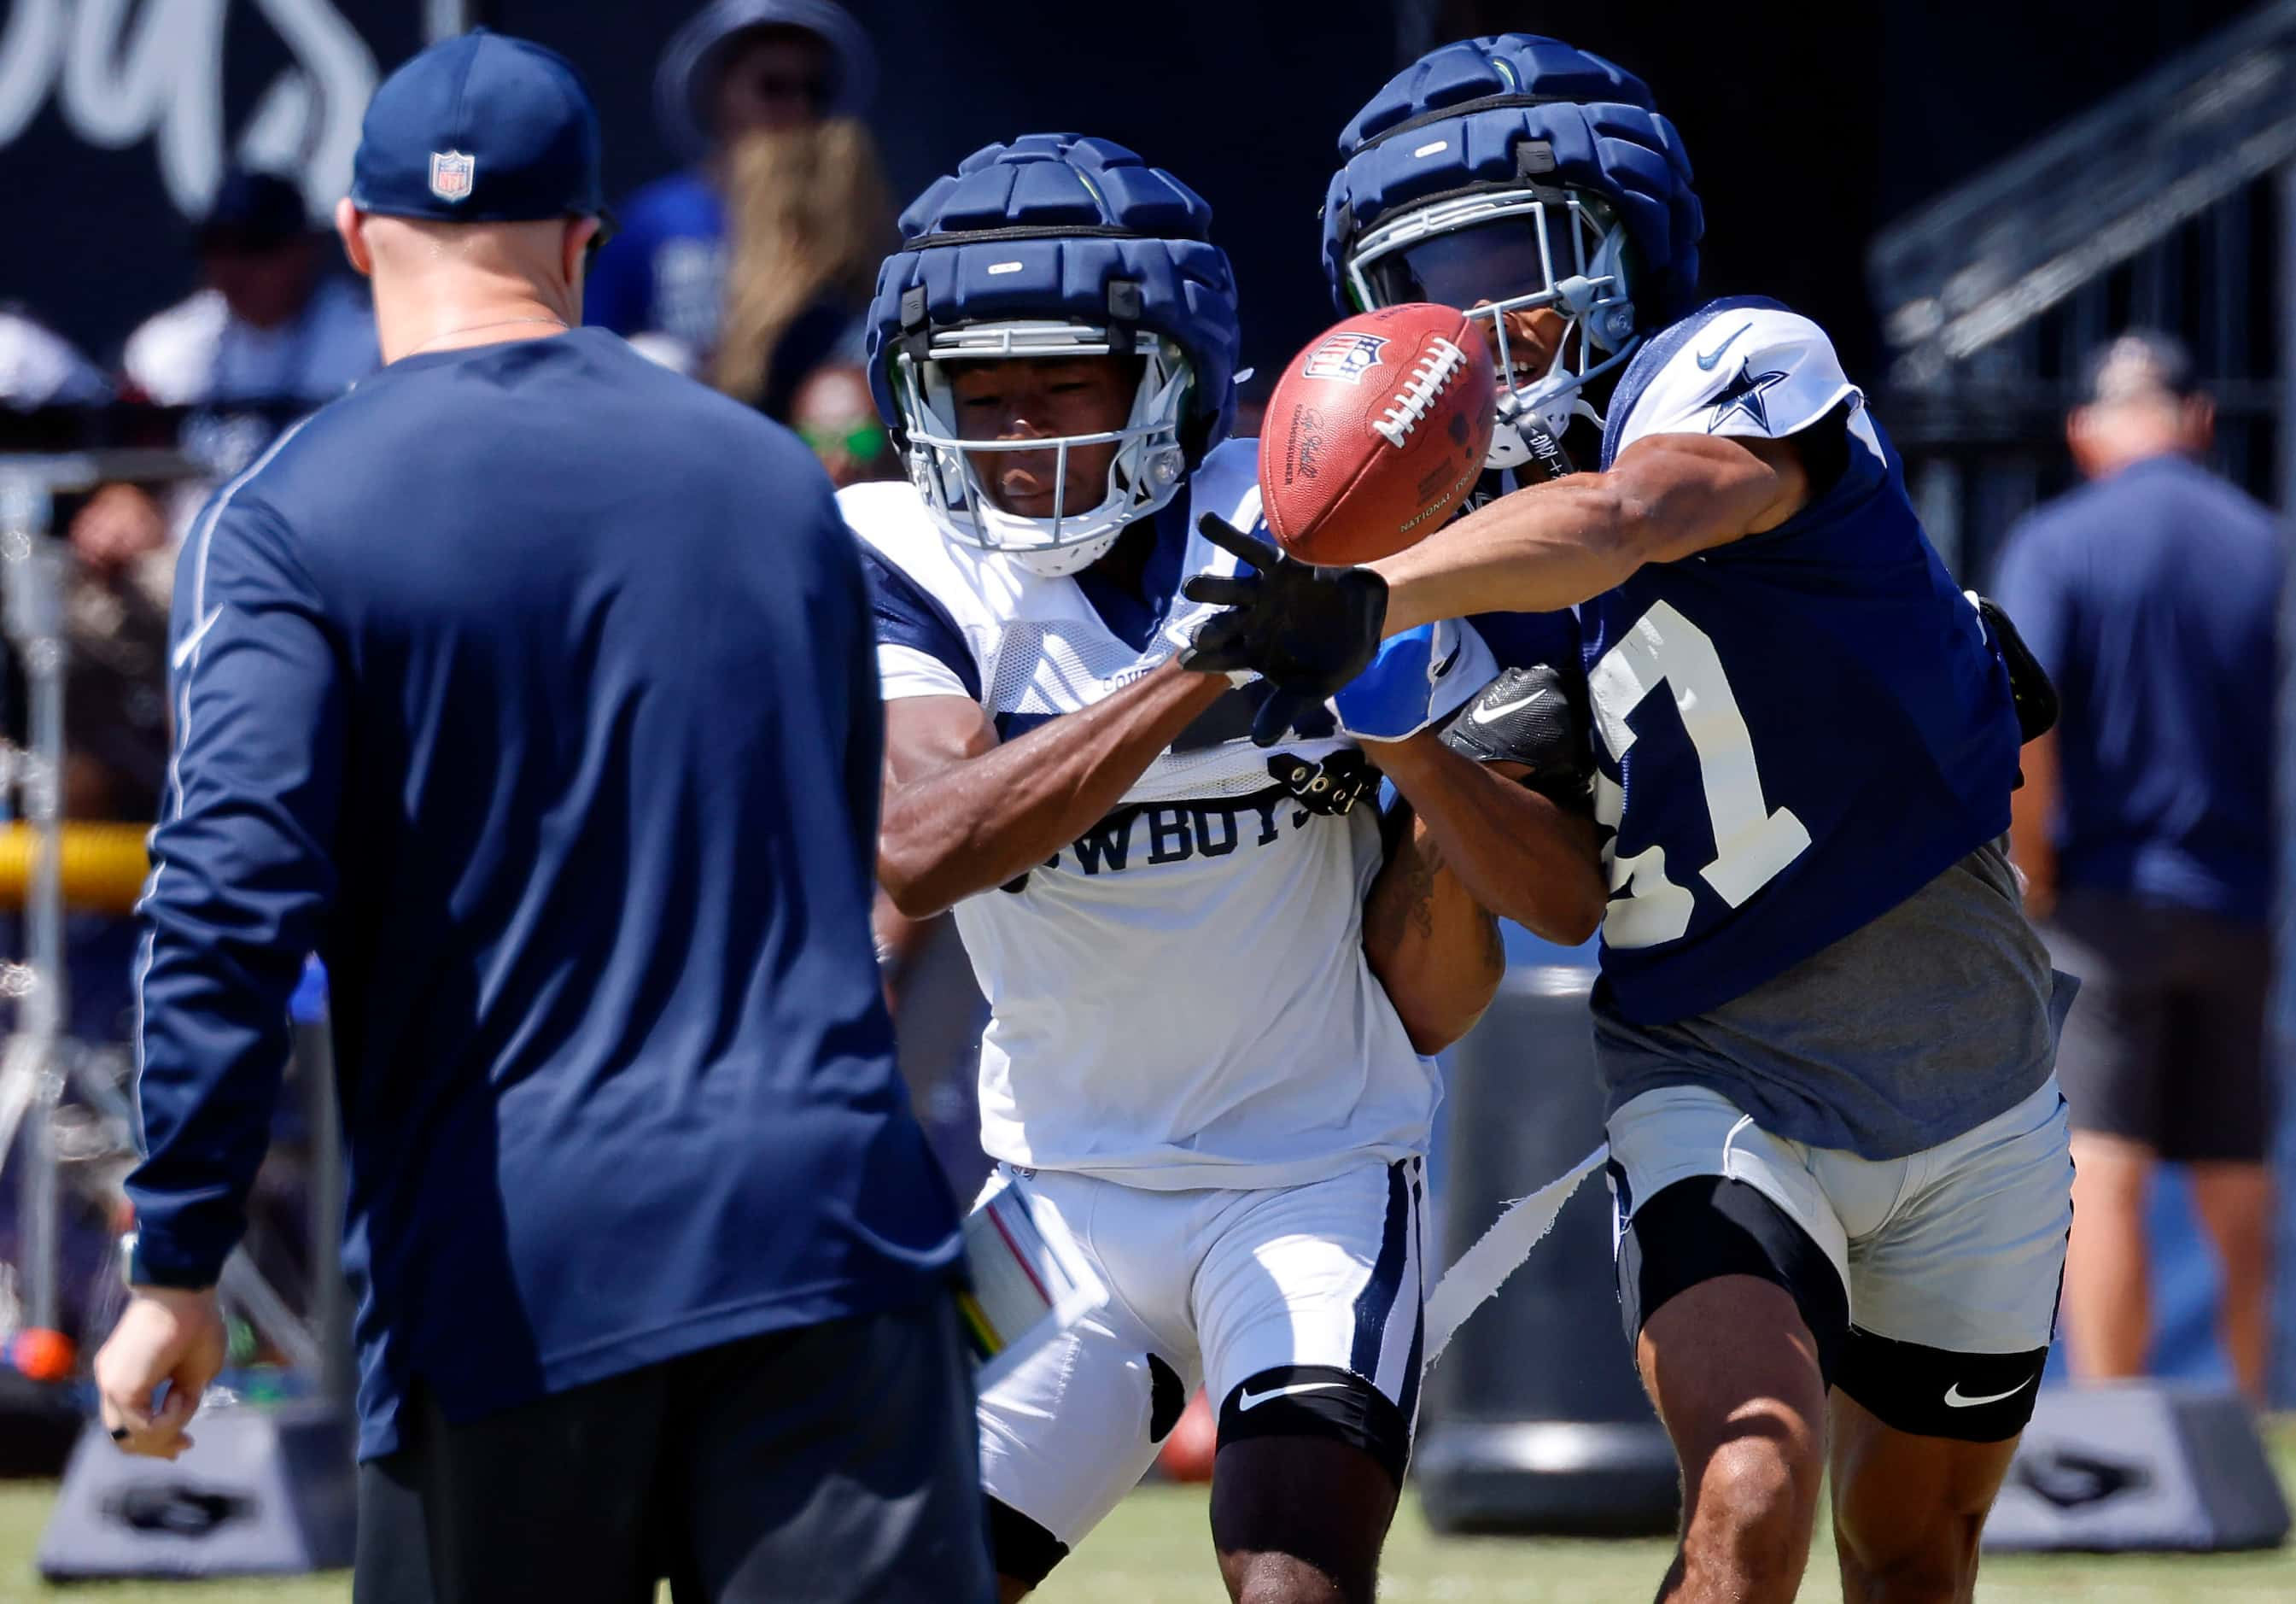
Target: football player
pixel 1838 1156
pixel 1204 1058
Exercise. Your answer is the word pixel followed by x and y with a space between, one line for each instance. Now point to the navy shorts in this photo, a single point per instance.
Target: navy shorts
pixel 2166 1045
pixel 832 1463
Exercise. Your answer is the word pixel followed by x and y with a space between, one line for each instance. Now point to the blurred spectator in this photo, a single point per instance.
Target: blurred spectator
pixel 2145 832
pixel 268 321
pixel 268 325
pixel 115 693
pixel 834 412
pixel 115 614
pixel 738 68
pixel 810 224
pixel 116 607
pixel 39 369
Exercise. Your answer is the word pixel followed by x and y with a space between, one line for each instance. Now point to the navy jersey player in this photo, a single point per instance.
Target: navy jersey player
pixel 1204 1054
pixel 1828 1031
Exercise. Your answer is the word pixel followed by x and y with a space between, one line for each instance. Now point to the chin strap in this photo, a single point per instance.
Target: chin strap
pixel 1539 454
pixel 1542 456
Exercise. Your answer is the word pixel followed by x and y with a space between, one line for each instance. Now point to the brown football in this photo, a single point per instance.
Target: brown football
pixel 1375 433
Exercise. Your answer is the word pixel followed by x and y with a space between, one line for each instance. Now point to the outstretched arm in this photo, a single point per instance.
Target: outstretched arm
pixel 1434 948
pixel 964 814
pixel 1709 452
pixel 1547 547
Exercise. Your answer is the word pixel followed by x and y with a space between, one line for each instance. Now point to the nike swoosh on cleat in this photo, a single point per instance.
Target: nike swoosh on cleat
pixel 1955 1398
pixel 1492 715
pixel 1708 361
pixel 1251 1400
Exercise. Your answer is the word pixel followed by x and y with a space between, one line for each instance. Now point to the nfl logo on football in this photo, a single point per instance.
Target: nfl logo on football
pixel 1344 356
pixel 451 172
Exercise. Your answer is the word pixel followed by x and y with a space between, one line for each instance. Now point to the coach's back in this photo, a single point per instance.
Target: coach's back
pixel 615 1074
pixel 2153 597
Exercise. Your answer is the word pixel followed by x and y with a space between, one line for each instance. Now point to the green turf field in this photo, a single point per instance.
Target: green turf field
pixel 1155 1550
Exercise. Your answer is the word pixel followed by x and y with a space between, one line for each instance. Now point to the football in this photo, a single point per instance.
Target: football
pixel 1375 433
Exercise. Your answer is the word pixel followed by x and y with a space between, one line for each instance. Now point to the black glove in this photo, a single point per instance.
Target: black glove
pixel 1534 715
pixel 1304 628
pixel 1334 785
pixel 2031 689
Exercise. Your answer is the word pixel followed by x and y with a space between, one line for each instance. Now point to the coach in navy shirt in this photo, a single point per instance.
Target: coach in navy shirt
pixel 533 687
pixel 2152 595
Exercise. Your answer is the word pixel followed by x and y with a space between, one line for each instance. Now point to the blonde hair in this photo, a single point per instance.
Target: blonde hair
pixel 809 219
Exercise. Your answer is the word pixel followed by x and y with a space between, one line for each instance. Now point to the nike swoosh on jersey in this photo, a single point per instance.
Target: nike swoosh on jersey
pixel 1708 361
pixel 1955 1398
pixel 1248 1399
pixel 1492 715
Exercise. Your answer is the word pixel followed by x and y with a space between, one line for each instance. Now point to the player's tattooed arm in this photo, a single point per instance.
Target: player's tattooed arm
pixel 1547 547
pixel 1435 948
pixel 1515 852
pixel 964 813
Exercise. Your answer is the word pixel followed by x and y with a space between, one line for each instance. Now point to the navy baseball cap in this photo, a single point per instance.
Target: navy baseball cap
pixel 481 128
pixel 252 210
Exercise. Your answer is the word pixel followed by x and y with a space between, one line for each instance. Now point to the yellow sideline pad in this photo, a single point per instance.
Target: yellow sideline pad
pixel 104 864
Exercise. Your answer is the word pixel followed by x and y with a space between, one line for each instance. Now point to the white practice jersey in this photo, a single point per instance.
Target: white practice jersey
pixel 1179 998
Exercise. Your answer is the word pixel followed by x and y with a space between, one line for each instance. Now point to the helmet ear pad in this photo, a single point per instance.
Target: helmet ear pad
pixel 1612 326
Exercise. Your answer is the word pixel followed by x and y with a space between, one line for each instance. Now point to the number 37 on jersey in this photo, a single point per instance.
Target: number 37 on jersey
pixel 1665 654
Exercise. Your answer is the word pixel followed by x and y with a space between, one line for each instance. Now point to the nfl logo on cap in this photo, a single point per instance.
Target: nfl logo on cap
pixel 451 172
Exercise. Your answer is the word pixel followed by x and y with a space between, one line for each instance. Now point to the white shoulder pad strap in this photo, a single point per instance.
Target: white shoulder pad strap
pixel 889 518
pixel 1757 371
pixel 1226 482
pixel 976 587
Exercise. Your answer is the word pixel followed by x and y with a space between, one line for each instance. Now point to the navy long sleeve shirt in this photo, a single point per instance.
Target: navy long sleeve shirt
pixel 532 685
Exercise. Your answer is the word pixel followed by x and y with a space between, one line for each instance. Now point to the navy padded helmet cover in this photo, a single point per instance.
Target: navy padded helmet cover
pixel 1596 118
pixel 1081 214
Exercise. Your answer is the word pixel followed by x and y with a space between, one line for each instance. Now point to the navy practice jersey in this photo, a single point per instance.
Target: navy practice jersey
pixel 534 687
pixel 1793 732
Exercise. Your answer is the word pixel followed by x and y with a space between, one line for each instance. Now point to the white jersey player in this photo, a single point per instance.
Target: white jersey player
pixel 1211 982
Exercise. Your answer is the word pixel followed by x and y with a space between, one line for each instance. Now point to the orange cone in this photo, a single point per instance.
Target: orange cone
pixel 44 1355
